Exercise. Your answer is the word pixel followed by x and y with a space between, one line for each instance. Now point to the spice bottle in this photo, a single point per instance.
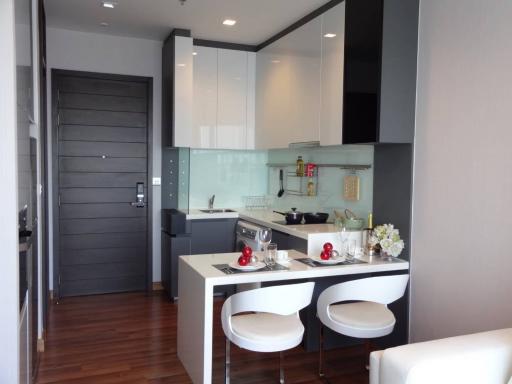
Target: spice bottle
pixel 300 167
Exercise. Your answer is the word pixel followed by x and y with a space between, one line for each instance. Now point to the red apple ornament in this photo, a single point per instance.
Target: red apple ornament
pixel 247 251
pixel 328 247
pixel 243 261
pixel 325 255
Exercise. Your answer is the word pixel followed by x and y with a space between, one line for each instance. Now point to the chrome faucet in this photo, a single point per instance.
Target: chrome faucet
pixel 210 202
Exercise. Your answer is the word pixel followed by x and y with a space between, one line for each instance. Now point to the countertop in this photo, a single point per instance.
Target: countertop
pixel 266 218
pixel 203 265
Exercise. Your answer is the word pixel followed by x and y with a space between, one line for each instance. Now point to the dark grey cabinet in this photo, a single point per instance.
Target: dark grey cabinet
pixel 212 236
pixel 173 246
pixel 286 241
pixel 200 237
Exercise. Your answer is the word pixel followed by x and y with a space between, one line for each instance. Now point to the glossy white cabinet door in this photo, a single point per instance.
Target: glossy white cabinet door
pixel 251 101
pixel 333 48
pixel 288 96
pixel 232 99
pixel 205 98
pixel 272 128
pixel 183 91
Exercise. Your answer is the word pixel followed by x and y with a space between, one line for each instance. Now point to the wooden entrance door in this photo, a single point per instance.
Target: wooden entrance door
pixel 102 158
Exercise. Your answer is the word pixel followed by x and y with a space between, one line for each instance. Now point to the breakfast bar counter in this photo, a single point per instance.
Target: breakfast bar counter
pixel 199 274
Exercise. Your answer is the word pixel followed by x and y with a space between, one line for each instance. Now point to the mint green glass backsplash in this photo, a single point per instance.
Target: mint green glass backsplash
pixel 228 174
pixel 232 174
pixel 330 180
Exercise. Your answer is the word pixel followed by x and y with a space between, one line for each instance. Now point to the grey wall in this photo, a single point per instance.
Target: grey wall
pixel 92 52
pixel 9 346
pixel 461 258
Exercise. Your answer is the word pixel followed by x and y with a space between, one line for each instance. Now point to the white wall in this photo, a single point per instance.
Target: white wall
pixel 461 257
pixel 91 52
pixel 9 346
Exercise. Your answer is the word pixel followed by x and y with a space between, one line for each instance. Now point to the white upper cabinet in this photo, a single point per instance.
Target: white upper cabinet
pixel 223 103
pixel 333 49
pixel 288 77
pixel 232 99
pixel 299 84
pixel 183 91
pixel 205 98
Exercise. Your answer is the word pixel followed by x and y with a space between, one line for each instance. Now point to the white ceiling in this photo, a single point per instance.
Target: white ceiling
pixel 257 20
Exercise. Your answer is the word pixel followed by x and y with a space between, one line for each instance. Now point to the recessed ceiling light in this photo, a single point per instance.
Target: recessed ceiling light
pixel 229 22
pixel 104 24
pixel 109 4
pixel 276 61
pixel 330 35
pixel 194 53
pixel 181 65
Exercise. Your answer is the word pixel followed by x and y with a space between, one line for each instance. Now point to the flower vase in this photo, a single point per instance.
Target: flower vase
pixel 385 256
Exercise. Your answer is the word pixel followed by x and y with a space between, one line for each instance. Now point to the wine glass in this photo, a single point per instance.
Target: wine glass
pixel 265 236
pixel 351 249
pixel 343 234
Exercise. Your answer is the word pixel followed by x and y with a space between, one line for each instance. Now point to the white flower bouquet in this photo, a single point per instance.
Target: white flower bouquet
pixel 388 237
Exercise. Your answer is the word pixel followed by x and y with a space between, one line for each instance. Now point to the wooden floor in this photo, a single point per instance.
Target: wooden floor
pixel 131 338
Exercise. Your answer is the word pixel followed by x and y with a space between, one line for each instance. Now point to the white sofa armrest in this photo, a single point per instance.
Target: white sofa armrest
pixel 478 358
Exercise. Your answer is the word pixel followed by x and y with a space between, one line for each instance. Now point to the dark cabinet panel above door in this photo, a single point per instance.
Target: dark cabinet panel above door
pixel 380 71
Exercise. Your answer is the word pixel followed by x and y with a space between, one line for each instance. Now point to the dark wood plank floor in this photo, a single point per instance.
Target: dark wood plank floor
pixel 131 338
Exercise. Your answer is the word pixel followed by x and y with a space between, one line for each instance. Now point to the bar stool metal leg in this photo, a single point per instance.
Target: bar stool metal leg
pixel 321 352
pixel 281 367
pixel 228 361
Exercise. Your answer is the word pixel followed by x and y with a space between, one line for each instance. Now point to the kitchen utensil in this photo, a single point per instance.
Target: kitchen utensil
pixel 351 187
pixel 349 214
pixel 315 217
pixel 293 216
pixel 348 220
pixel 339 214
pixel 281 186
pixel 353 224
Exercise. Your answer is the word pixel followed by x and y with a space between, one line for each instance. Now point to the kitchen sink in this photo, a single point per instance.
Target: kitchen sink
pixel 216 210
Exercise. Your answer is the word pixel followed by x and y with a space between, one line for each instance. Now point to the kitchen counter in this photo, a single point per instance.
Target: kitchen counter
pixel 198 278
pixel 196 214
pixel 266 218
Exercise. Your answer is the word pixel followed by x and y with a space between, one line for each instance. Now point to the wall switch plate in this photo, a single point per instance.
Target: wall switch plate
pixel 157 181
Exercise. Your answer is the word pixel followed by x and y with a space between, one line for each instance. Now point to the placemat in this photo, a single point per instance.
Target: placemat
pixel 230 271
pixel 313 263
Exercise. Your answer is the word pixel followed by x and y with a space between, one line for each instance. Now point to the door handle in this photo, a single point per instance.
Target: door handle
pixel 139 196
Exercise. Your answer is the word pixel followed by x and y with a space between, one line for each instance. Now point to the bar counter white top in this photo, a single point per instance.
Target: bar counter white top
pixel 198 277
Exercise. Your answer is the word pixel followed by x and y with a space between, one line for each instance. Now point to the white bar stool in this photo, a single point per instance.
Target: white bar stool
pixel 275 327
pixel 369 317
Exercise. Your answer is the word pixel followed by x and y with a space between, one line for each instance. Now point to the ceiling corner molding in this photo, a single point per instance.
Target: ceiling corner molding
pixel 224 45
pixel 299 23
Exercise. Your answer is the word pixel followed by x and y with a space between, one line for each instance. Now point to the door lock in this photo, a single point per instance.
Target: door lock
pixel 139 196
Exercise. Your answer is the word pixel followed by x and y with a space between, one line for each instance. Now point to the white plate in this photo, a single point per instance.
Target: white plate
pixel 249 267
pixel 330 261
